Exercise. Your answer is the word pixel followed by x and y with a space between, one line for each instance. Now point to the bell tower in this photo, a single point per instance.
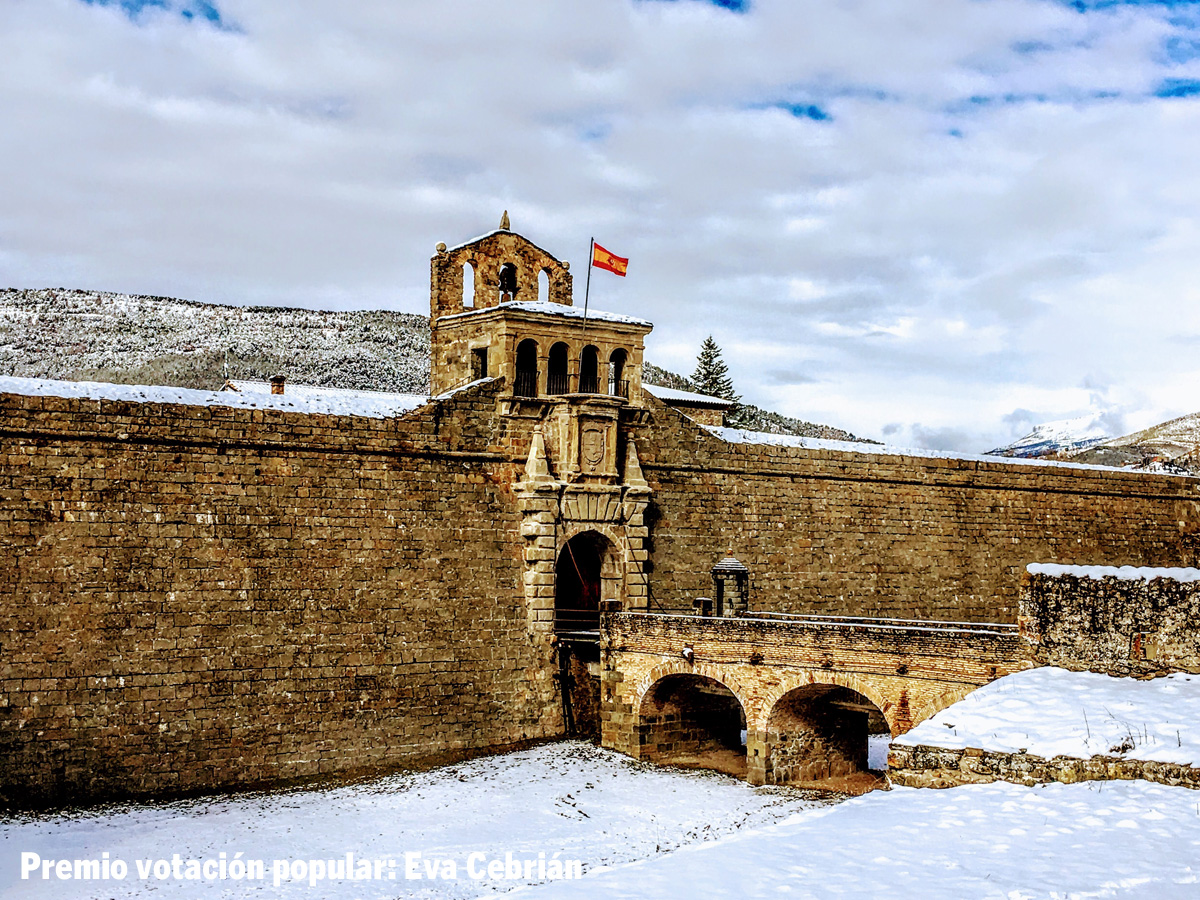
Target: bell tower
pixel 500 307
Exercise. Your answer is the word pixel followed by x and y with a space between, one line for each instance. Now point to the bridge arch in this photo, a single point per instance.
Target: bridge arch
pixel 804 677
pixel 818 731
pixel 683 667
pixel 686 716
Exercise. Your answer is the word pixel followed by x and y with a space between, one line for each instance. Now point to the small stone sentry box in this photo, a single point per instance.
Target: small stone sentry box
pixel 726 571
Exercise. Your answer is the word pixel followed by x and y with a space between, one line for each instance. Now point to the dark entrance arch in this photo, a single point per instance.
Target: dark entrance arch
pixel 585 574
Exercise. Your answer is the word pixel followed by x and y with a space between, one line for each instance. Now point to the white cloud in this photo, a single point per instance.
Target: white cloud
pixel 996 207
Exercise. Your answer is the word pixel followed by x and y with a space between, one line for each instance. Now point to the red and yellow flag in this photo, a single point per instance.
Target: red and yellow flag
pixel 602 259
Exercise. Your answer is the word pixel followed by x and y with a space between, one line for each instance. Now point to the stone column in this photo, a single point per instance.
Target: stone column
pixel 537 498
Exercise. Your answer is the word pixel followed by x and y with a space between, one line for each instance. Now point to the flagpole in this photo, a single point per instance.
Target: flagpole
pixel 588 287
pixel 587 290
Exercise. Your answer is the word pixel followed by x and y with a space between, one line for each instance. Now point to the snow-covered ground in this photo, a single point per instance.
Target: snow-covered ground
pixel 1053 712
pixel 641 832
pixel 1127 840
pixel 570 799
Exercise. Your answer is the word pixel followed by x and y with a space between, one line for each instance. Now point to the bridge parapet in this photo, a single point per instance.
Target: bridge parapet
pixel 966 653
pixel 907 669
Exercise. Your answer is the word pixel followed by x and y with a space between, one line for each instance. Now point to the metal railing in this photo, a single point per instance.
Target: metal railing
pixel 619 388
pixel 525 384
pixel 558 383
pixel 577 624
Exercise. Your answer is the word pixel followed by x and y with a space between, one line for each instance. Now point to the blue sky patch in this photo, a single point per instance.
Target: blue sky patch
pixel 799 110
pixel 1178 87
pixel 1180 49
pixel 806 111
pixel 737 6
pixel 189 9
pixel 1092 5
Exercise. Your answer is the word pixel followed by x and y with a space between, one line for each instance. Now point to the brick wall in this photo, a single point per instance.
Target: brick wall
pixel 876 535
pixel 1140 624
pixel 197 597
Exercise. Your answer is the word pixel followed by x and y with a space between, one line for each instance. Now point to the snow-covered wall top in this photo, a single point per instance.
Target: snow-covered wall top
pixel 1121 573
pixel 348 403
pixel 742 436
pixel 1123 621
pixel 561 310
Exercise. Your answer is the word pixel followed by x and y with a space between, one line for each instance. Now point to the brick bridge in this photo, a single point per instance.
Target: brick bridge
pixel 806 690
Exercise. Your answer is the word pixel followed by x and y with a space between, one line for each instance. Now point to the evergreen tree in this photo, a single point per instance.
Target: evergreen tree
pixel 712 375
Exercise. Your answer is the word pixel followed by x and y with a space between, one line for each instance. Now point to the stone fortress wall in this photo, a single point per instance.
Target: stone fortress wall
pixel 1122 622
pixel 871 534
pixel 201 598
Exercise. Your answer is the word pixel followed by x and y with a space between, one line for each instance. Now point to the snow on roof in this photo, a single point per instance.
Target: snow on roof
pixel 1121 573
pixel 368 404
pixel 545 307
pixel 1054 712
pixel 494 231
pixel 672 395
pixel 744 436
pixel 479 237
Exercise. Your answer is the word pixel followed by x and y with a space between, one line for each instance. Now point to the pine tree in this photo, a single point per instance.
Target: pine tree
pixel 712 375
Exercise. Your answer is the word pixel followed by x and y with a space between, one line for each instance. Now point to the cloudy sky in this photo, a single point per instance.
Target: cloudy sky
pixel 934 222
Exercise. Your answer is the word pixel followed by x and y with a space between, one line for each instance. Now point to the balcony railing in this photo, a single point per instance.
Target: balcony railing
pixel 589 384
pixel 525 384
pixel 619 388
pixel 558 383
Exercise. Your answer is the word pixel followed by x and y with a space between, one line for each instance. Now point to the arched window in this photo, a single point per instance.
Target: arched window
pixel 543 285
pixel 468 297
pixel 527 374
pixel 556 375
pixel 617 385
pixel 508 282
pixel 589 364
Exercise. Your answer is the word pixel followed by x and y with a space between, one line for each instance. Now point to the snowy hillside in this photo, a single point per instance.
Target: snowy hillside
pixel 1178 437
pixel 96 336
pixel 1050 438
pixel 128 339
pixel 1172 447
pixel 749 416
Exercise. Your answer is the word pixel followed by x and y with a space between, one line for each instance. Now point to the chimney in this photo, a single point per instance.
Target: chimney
pixel 277 383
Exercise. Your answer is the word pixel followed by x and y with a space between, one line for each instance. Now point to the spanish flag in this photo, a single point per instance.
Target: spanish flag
pixel 602 259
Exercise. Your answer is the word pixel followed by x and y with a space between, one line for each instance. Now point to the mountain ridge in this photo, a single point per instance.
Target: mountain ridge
pixel 81 335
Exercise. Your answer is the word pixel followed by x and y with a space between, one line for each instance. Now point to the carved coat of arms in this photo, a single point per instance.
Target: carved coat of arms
pixel 592 442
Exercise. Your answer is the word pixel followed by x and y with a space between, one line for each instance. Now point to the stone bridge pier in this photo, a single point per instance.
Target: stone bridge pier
pixel 784 699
